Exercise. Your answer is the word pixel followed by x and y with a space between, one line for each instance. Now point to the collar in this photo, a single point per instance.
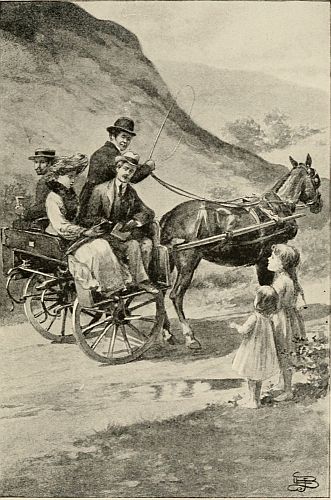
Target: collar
pixel 59 188
pixel 114 144
pixel 118 184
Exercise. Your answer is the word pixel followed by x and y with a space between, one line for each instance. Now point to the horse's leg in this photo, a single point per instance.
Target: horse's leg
pixel 186 263
pixel 167 334
pixel 264 276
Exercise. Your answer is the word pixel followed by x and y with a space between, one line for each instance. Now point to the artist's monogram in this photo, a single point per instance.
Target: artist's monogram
pixel 301 482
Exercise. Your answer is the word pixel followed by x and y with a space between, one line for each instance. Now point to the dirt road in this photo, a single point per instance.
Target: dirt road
pixel 53 394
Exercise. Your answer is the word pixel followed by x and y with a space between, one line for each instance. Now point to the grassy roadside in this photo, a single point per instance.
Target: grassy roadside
pixel 222 451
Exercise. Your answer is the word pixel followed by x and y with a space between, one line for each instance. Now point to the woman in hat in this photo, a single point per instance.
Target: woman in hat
pixel 93 264
pixel 102 163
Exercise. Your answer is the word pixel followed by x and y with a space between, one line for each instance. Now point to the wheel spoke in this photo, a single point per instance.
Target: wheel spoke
pixel 48 309
pixel 125 338
pixel 50 299
pixel 37 296
pixel 64 313
pixel 138 332
pixel 93 312
pixel 51 323
pixel 90 326
pixel 134 317
pixel 149 320
pixel 150 301
pixel 40 313
pixel 102 334
pixel 119 333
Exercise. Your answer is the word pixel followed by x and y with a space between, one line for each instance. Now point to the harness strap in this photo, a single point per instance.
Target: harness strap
pixel 193 196
pixel 244 203
pixel 201 217
pixel 262 231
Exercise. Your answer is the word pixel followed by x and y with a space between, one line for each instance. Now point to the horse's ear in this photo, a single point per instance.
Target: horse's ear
pixel 308 161
pixel 294 163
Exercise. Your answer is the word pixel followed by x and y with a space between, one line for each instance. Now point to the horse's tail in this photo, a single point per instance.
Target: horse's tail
pixel 166 231
pixel 171 261
pixel 166 238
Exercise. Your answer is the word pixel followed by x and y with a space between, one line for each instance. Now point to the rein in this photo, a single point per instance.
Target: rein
pixel 193 196
pixel 235 203
pixel 229 203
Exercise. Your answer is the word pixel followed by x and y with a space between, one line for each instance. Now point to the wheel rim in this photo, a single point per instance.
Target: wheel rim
pixel 119 330
pixel 49 311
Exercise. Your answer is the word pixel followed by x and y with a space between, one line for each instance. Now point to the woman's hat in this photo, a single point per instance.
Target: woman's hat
pixel 43 153
pixel 122 124
pixel 66 164
pixel 128 157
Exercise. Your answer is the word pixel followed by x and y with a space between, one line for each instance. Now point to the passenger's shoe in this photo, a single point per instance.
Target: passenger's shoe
pixel 285 396
pixel 148 287
pixel 249 403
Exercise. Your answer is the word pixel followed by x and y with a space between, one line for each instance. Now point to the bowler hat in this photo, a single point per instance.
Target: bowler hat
pixel 128 157
pixel 122 124
pixel 43 153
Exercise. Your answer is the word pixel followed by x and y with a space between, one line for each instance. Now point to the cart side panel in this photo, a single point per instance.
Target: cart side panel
pixel 33 243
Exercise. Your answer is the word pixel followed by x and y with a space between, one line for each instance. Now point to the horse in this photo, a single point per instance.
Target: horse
pixel 200 218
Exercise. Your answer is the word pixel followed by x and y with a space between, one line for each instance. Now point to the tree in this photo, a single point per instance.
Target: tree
pixel 275 133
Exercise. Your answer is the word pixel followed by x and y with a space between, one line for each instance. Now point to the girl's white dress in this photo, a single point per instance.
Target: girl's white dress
pixel 256 357
pixel 93 264
pixel 288 322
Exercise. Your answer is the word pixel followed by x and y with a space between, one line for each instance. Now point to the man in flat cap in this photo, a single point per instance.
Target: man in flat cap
pixel 102 163
pixel 43 159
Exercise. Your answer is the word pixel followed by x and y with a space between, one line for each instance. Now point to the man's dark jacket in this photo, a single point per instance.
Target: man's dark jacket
pixel 38 210
pixel 102 206
pixel 102 169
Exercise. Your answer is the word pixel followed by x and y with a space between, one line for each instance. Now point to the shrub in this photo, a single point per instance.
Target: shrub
pixel 312 358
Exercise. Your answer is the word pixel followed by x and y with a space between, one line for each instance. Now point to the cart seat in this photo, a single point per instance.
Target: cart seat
pixel 33 243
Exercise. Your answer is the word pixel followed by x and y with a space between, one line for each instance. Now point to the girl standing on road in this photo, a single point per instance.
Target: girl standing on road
pixel 288 322
pixel 256 358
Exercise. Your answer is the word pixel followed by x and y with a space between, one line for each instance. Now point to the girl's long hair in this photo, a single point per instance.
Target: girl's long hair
pixel 266 300
pixel 290 259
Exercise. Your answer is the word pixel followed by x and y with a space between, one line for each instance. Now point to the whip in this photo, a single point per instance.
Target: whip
pixel 165 121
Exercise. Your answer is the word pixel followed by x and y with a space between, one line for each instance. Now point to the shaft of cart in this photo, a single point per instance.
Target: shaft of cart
pixel 236 232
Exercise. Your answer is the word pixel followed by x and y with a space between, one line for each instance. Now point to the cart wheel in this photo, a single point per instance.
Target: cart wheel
pixel 120 329
pixel 49 311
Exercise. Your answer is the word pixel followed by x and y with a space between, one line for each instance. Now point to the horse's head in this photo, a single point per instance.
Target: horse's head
pixel 310 181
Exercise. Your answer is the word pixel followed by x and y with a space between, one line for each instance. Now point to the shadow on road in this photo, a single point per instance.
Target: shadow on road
pixel 216 337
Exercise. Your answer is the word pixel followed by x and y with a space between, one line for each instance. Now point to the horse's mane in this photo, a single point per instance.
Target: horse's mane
pixel 283 179
pixel 280 182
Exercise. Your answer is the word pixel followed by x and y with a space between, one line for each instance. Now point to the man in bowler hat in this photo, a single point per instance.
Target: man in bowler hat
pixel 43 159
pixel 102 163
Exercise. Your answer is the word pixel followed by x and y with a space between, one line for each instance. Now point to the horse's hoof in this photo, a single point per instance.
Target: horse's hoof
pixel 193 344
pixel 170 340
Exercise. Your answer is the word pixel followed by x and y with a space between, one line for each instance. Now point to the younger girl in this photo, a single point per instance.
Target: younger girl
pixel 288 323
pixel 256 358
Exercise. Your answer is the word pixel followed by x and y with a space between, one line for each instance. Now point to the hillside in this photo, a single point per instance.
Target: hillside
pixel 232 94
pixel 66 76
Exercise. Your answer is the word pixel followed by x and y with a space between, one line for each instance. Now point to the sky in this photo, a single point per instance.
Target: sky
pixel 285 39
